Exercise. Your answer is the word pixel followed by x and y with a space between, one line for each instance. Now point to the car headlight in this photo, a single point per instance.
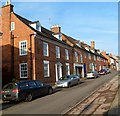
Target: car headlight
pixel 65 83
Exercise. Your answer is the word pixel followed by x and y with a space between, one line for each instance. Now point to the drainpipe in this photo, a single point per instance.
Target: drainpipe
pixel 12 54
pixel 31 59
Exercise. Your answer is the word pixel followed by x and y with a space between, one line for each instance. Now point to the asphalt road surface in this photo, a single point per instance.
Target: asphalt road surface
pixel 60 101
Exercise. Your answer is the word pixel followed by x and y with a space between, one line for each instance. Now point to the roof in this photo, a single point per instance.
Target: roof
pixel 47 33
pixel 72 40
pixel 83 45
pixel 44 32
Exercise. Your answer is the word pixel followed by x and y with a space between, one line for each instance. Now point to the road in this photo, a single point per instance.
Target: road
pixel 60 101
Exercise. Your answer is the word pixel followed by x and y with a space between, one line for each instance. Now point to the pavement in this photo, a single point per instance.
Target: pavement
pixel 103 101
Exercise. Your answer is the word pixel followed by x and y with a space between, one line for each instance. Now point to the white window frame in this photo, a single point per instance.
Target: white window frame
pixel 90 66
pixel 47 62
pixel 22 49
pixel 76 56
pixel 66 54
pixel 94 58
pixel 44 43
pixel 81 58
pixel 67 64
pixel 57 52
pixel 89 55
pixel 26 70
pixel 12 26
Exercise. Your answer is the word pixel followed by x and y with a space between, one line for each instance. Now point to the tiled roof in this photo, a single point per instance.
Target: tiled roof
pixel 83 45
pixel 72 40
pixel 44 32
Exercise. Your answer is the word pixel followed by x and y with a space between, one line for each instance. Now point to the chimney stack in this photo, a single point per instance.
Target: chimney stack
pixel 104 52
pixel 111 54
pixel 56 29
pixel 92 44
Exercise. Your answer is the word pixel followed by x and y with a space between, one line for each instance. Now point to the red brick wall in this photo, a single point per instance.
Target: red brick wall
pixel 52 59
pixel 21 32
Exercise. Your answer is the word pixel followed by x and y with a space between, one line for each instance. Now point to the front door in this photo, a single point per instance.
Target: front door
pixel 58 67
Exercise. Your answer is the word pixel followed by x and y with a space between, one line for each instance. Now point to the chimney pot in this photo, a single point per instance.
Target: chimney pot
pixel 56 29
pixel 92 44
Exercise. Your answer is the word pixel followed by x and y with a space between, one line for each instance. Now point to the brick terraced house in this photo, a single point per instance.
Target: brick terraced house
pixel 85 58
pixel 30 51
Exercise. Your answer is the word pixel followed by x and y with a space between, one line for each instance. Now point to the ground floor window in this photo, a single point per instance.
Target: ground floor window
pixel 46 69
pixel 67 69
pixel 90 66
pixel 23 70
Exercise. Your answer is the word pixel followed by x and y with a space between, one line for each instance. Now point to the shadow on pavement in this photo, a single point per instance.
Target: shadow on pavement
pixel 6 105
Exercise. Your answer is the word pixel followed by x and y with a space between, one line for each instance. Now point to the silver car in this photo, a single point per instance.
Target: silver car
pixel 68 81
pixel 92 74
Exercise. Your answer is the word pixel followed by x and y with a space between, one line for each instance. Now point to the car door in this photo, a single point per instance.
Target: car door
pixel 74 80
pixel 24 89
pixel 42 88
pixel 34 89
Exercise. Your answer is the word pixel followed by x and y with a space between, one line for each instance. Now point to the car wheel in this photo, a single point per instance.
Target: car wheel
pixel 28 97
pixel 50 91
pixel 78 82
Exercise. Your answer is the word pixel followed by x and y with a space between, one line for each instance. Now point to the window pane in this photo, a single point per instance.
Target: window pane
pixel 57 52
pixel 23 48
pixel 46 69
pixel 23 70
pixel 45 47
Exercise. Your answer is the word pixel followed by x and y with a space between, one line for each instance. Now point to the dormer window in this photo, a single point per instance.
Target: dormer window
pixel 87 48
pixel 58 36
pixel 79 44
pixel 92 51
pixel 36 25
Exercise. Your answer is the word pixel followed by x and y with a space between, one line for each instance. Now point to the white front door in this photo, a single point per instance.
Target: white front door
pixel 58 68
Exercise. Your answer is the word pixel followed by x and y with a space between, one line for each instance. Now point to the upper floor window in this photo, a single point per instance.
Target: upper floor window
pixel 94 57
pixel 45 49
pixel 66 54
pixel 23 70
pixel 23 47
pixel 76 56
pixel 57 52
pixel 89 55
pixel 81 59
pixel 12 26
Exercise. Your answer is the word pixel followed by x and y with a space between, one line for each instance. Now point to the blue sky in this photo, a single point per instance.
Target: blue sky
pixel 85 21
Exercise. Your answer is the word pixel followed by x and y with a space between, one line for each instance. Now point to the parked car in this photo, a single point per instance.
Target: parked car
pixel 108 70
pixel 92 74
pixel 103 72
pixel 68 81
pixel 25 90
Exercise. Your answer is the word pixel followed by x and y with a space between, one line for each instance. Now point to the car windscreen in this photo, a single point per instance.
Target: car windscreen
pixel 10 86
pixel 65 77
